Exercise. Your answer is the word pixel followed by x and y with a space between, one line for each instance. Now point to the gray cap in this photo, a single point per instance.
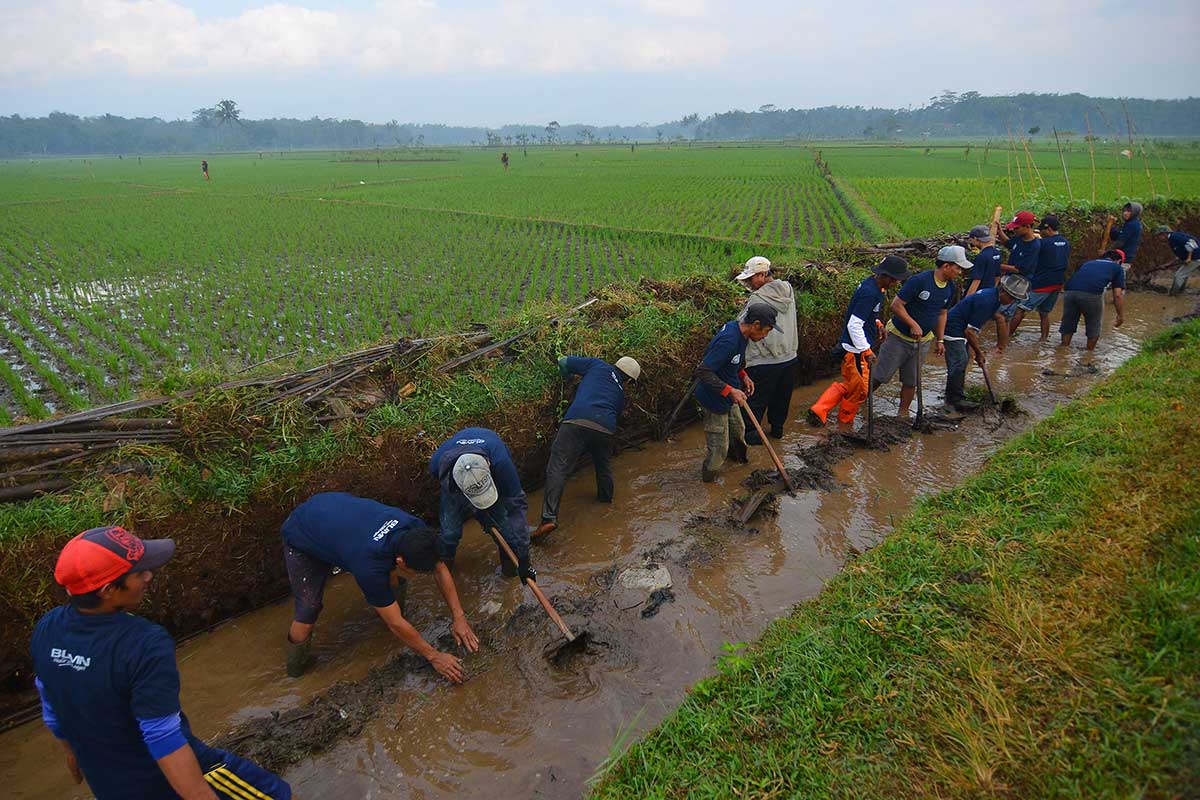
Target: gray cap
pixel 1015 285
pixel 474 476
pixel 760 313
pixel 954 254
pixel 981 232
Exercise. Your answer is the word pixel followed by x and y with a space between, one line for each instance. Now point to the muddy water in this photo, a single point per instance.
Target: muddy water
pixel 522 727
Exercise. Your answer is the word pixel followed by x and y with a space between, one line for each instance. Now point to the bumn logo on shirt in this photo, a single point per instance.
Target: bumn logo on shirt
pixel 64 659
pixel 924 295
pixel 384 528
pixel 737 357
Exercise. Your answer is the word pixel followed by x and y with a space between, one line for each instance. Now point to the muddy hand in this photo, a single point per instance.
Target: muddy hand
pixel 464 635
pixel 448 666
pixel 749 386
pixel 738 396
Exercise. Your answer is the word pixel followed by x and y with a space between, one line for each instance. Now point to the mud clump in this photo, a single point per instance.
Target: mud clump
pixel 656 600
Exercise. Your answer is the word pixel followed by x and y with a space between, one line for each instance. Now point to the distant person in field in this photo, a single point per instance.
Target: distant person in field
pixel 1127 236
pixel 918 316
pixel 722 385
pixel 985 267
pixel 109 684
pixel 204 169
pixel 771 362
pixel 1023 249
pixel 862 332
pixel 1186 248
pixel 504 160
pixel 1084 296
pixel 382 547
pixel 963 324
pixel 1048 276
pixel 588 427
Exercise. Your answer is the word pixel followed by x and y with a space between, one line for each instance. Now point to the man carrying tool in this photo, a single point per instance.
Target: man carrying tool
pixel 478 479
pixel 963 324
pixel 1187 249
pixel 109 684
pixel 771 362
pixel 1048 276
pixel 382 547
pixel 588 426
pixel 985 267
pixel 1127 236
pixel 861 333
pixel 918 315
pixel 721 376
pixel 1084 296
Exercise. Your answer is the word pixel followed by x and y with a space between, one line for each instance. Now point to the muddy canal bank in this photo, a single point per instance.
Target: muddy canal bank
pixel 526 727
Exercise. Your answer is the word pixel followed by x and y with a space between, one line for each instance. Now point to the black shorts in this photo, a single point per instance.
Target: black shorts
pixel 307 575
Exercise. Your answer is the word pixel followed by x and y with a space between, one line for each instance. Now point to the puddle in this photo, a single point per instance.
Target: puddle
pixel 383 725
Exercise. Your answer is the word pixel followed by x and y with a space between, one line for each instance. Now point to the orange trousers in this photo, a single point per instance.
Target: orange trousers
pixel 849 393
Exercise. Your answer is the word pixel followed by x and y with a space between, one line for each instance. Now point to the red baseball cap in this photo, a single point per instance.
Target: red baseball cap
pixel 101 555
pixel 1022 218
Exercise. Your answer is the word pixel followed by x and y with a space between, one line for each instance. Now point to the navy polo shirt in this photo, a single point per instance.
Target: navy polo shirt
pixel 1024 255
pixel 1184 245
pixel 866 303
pixel 1094 277
pixel 726 356
pixel 924 301
pixel 359 535
pixel 601 393
pixel 972 312
pixel 1051 268
pixel 986 267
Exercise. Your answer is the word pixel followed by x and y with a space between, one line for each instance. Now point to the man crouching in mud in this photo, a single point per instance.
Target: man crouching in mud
pixel 382 547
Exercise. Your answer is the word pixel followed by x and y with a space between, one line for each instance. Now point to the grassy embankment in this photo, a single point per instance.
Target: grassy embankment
pixel 1034 632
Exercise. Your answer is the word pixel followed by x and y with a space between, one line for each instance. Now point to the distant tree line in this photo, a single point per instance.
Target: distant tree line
pixel 222 128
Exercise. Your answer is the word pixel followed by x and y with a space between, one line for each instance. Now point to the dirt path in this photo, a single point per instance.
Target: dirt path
pixel 383 725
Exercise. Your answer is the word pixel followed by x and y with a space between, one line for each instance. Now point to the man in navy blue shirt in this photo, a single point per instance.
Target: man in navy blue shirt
pixel 1186 248
pixel 1127 236
pixel 109 684
pixel 1047 280
pixel 963 324
pixel 985 267
pixel 478 479
pixel 382 547
pixel 918 316
pixel 1084 296
pixel 860 332
pixel 723 385
pixel 588 427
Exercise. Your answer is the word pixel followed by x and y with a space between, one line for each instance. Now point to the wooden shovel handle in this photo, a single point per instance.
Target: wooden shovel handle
pixel 537 592
pixel 774 457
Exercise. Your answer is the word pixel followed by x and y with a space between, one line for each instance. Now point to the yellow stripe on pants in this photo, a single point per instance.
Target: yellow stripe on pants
pixel 233 785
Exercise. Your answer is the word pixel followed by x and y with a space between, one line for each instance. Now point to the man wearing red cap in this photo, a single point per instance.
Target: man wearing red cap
pixel 110 686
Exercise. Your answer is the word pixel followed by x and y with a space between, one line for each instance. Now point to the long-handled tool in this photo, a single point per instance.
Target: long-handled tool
pixel 666 431
pixel 767 442
pixel 920 397
pixel 988 383
pixel 870 402
pixel 537 592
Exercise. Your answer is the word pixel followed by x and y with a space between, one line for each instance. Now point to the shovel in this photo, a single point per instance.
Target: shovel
pixel 537 592
pixel 917 423
pixel 787 480
pixel 988 383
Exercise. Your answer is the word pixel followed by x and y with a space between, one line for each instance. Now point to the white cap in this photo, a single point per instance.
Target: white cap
pixel 754 266
pixel 630 367
pixel 954 254
pixel 474 477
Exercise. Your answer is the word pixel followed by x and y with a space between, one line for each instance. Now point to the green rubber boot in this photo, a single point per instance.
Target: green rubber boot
pixel 299 657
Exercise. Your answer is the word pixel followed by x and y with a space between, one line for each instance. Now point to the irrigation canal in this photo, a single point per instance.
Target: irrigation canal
pixel 524 727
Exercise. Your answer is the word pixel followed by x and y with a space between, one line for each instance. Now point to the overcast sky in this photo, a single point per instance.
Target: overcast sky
pixel 488 62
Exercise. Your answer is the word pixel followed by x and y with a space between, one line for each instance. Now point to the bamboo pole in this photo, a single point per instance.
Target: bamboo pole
pixel 1008 163
pixel 1020 178
pixel 1032 163
pixel 1091 153
pixel 1145 162
pixel 1062 159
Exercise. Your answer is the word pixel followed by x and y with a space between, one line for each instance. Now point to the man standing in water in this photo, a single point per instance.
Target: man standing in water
pixel 723 385
pixel 588 426
pixel 109 684
pixel 860 335
pixel 1127 237
pixel 963 324
pixel 1085 297
pixel 1047 280
pixel 770 363
pixel 382 547
pixel 985 267
pixel 1186 248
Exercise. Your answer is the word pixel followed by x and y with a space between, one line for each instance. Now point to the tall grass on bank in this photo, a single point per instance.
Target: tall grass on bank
pixel 1034 632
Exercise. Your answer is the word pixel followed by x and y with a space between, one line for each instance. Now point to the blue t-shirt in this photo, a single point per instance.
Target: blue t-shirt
pixel 866 303
pixel 1128 237
pixel 986 268
pixel 486 443
pixel 1024 255
pixel 1184 245
pixel 1052 262
pixel 973 311
pixel 601 393
pixel 359 535
pixel 924 301
pixel 101 674
pixel 1094 276
pixel 726 356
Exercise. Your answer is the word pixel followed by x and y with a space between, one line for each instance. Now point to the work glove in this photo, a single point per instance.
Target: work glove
pixel 526 572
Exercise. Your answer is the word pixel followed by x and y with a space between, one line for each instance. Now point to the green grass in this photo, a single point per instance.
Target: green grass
pixel 1034 632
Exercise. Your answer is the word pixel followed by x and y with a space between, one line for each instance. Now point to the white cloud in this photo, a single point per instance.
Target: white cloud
pixel 61 39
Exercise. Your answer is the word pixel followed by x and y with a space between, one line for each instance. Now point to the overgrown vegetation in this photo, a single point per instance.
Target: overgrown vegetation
pixel 1034 632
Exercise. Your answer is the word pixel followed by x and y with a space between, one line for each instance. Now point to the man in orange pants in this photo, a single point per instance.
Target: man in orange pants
pixel 860 333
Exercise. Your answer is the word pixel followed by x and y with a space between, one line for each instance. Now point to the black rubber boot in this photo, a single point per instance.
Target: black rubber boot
pixel 299 657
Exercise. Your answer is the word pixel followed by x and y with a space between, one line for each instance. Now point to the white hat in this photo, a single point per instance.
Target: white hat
pixel 630 367
pixel 954 254
pixel 474 477
pixel 754 266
